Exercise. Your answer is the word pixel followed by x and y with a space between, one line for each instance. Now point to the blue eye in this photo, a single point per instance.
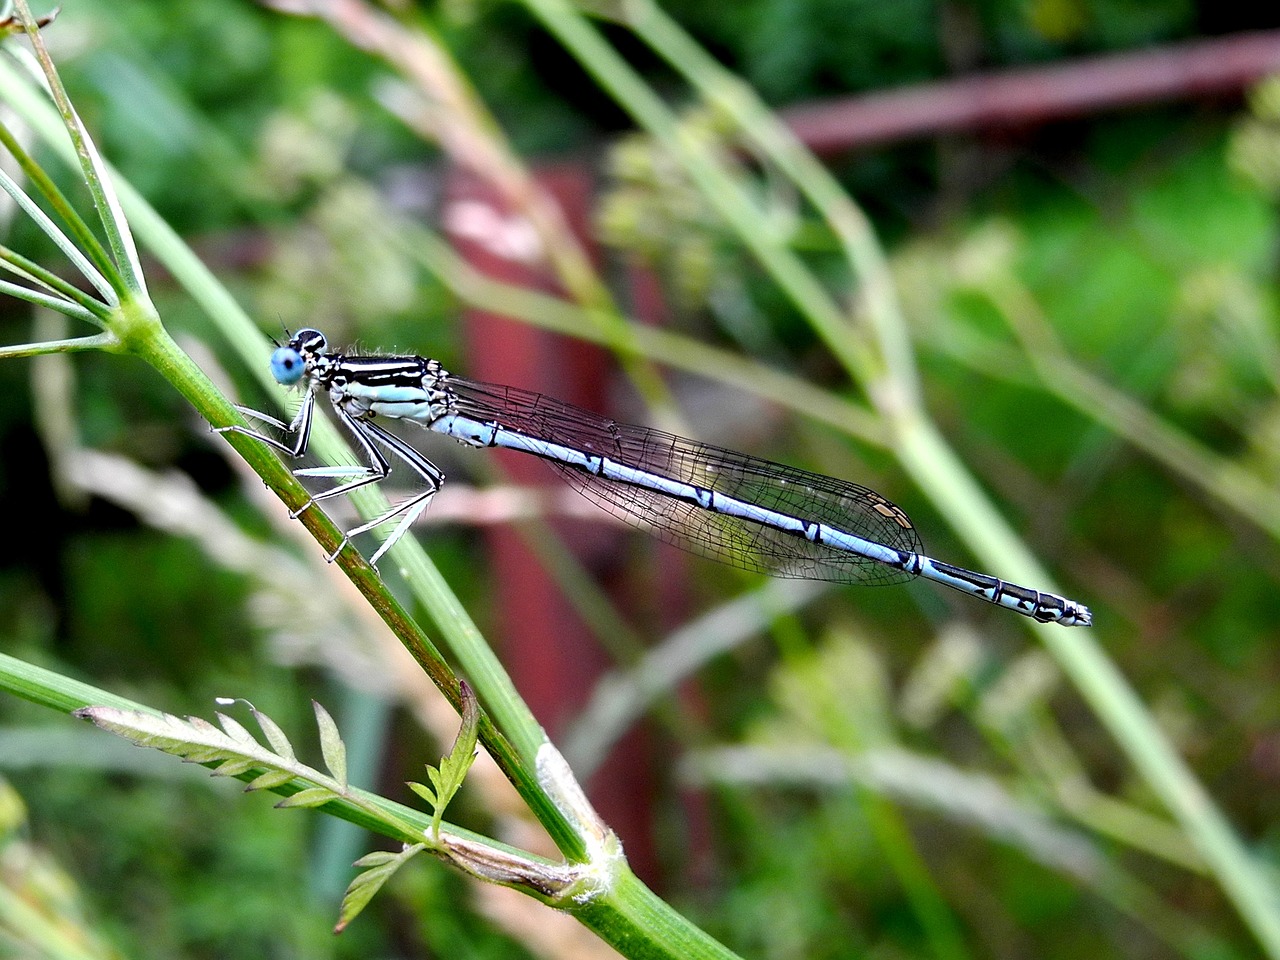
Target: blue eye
pixel 287 366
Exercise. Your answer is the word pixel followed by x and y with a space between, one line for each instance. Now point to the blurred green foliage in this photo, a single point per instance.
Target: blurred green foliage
pixel 261 139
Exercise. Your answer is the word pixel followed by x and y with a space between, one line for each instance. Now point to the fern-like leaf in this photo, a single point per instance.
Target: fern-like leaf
pixel 232 749
pixel 380 866
pixel 447 778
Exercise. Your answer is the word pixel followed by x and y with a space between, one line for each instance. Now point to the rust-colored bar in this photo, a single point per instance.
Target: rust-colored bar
pixel 1035 95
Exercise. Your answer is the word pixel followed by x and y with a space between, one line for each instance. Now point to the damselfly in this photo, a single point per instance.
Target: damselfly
pixel 737 509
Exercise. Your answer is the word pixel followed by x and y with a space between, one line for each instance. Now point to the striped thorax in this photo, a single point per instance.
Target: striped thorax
pixel 404 388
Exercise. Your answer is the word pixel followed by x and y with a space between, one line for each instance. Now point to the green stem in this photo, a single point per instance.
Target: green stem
pixel 22 266
pixel 81 231
pixel 775 142
pixel 126 266
pixel 925 454
pixel 66 695
pixel 98 341
pixel 667 347
pixel 476 660
pixel 642 926
pixel 50 302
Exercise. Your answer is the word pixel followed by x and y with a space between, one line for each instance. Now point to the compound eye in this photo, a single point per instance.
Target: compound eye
pixel 287 366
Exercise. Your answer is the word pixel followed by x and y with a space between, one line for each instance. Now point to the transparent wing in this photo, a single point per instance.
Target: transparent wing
pixel 743 543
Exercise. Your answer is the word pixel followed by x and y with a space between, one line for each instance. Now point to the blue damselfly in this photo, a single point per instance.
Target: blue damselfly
pixel 741 510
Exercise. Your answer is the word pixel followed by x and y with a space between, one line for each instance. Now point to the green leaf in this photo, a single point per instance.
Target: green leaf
pixel 235 767
pixel 425 792
pixel 382 864
pixel 192 754
pixel 237 731
pixel 269 780
pixel 376 858
pixel 275 736
pixel 310 797
pixel 464 745
pixel 331 745
pixel 448 777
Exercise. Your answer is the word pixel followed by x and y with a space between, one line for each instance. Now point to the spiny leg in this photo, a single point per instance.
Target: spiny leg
pixel 375 471
pixel 299 427
pixel 411 508
pixel 377 468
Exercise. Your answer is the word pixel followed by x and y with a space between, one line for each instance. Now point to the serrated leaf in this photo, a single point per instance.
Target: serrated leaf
pixel 365 885
pixel 464 744
pixel 331 745
pixel 193 740
pixel 275 736
pixel 448 777
pixel 358 895
pixel 269 780
pixel 230 749
pixel 454 767
pixel 310 797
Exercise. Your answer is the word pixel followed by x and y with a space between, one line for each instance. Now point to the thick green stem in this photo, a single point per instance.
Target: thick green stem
pixel 641 926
